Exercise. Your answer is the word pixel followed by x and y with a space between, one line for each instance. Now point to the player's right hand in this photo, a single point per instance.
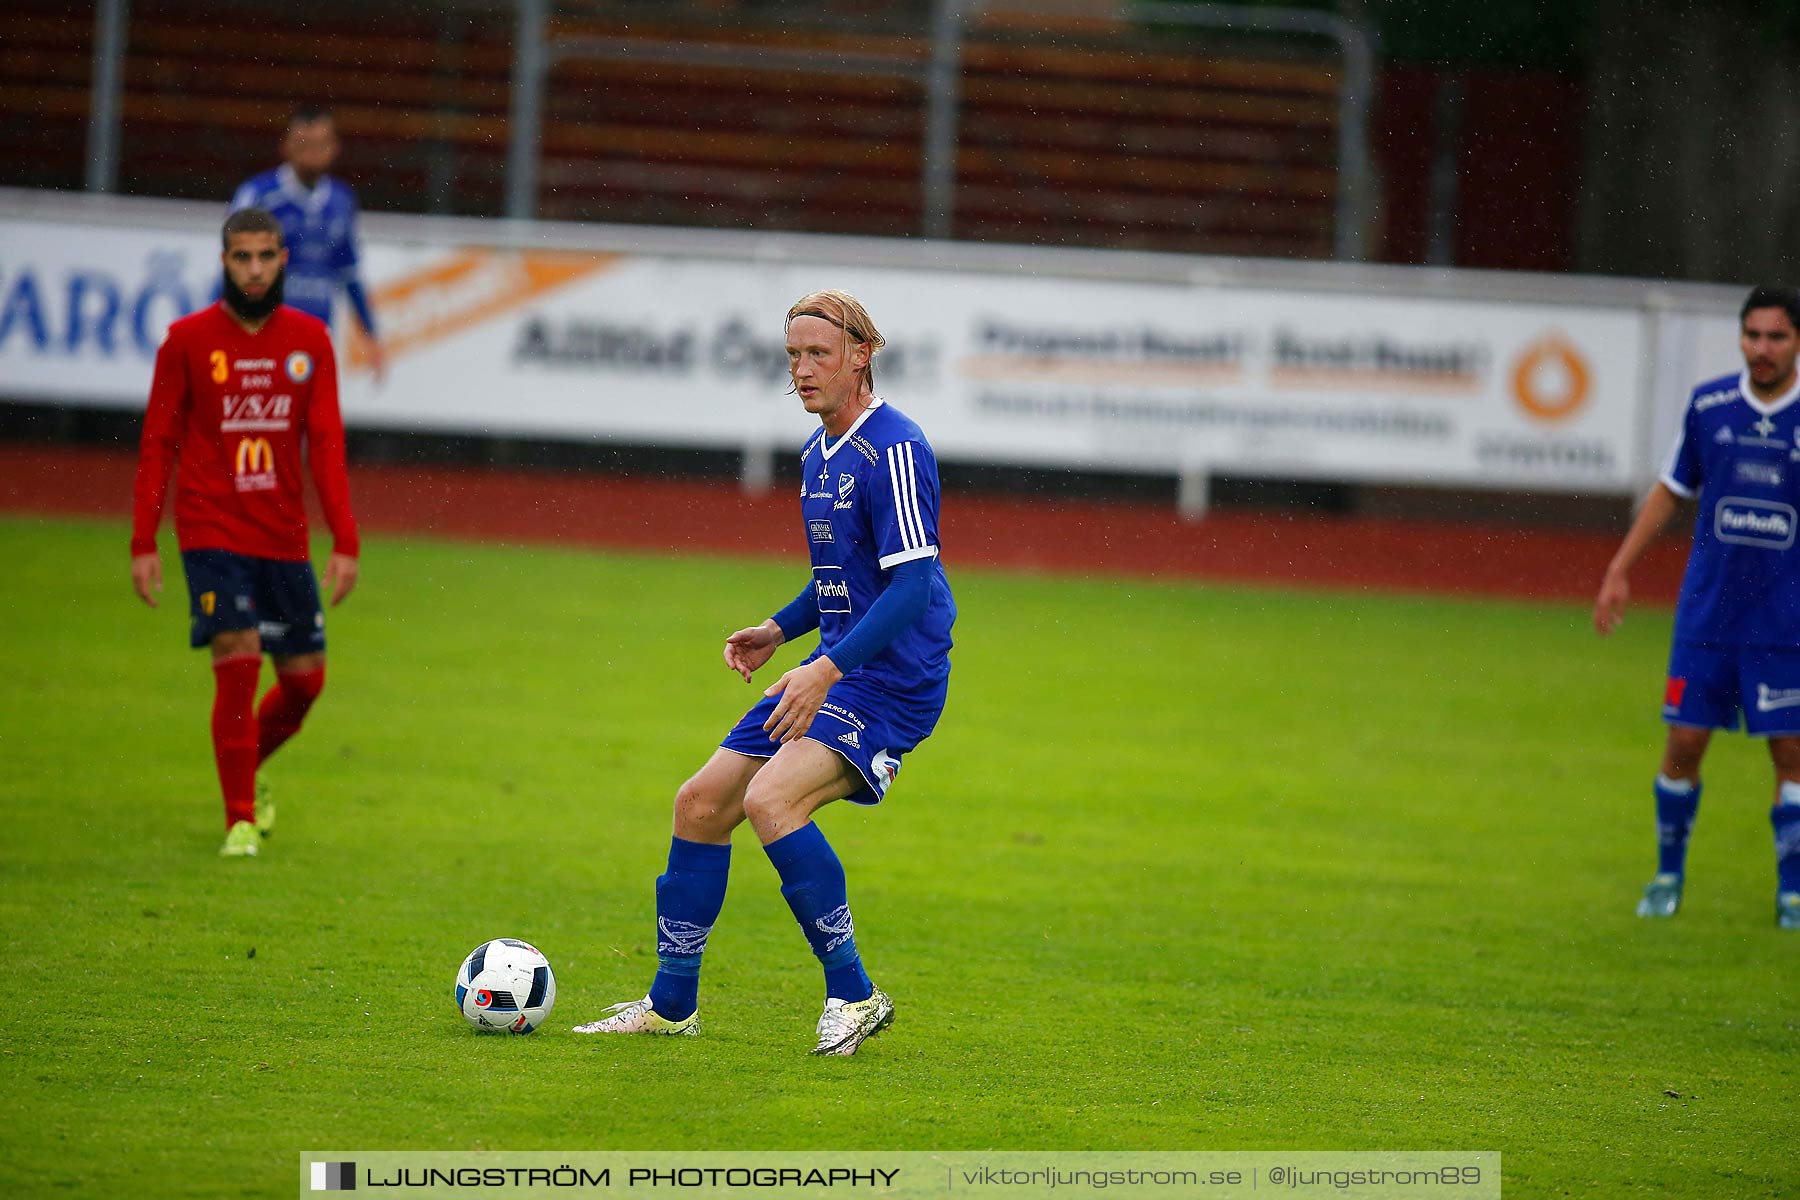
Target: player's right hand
pixel 340 577
pixel 1609 606
pixel 146 576
pixel 748 649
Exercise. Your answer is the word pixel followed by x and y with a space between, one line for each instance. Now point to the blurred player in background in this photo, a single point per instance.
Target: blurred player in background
pixel 835 726
pixel 1737 625
pixel 318 217
pixel 238 386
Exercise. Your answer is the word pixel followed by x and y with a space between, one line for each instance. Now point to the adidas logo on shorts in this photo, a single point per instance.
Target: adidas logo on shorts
pixel 849 739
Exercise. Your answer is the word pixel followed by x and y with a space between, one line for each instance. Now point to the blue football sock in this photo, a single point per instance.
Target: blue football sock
pixel 1785 817
pixel 812 882
pixel 689 896
pixel 1677 800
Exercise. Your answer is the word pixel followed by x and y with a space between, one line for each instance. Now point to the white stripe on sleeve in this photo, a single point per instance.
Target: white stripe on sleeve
pixel 912 497
pixel 901 515
pixel 1667 478
pixel 894 483
pixel 894 560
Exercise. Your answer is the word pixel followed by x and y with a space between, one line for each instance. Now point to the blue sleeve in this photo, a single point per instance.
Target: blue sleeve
pixel 359 300
pixel 346 259
pixel 1682 472
pixel 245 197
pixel 801 616
pixel 901 603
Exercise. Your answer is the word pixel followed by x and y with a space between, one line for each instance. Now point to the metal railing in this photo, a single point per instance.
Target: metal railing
pixel 1355 175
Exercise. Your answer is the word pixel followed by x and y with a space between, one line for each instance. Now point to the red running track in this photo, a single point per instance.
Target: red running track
pixel 1085 537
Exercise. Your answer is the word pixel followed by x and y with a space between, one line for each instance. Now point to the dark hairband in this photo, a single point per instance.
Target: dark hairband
pixel 813 312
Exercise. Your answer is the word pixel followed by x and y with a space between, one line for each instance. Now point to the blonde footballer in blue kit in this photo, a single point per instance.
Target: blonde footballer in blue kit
pixel 837 725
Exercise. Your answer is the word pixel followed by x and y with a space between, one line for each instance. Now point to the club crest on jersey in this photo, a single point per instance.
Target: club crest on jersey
pixel 846 485
pixel 299 366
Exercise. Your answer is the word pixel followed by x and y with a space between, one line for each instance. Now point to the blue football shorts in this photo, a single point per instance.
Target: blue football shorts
pixel 872 728
pixel 278 599
pixel 1709 686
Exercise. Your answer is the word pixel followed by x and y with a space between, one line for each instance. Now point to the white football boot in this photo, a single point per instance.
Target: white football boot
pixel 637 1016
pixel 847 1024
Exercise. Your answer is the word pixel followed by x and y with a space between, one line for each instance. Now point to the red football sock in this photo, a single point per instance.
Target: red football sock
pixel 284 707
pixel 234 733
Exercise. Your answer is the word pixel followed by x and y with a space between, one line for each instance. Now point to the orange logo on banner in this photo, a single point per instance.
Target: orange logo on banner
pixel 255 456
pixel 1551 378
pixel 431 304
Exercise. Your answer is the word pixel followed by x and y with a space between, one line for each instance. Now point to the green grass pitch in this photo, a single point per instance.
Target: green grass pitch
pixel 1184 868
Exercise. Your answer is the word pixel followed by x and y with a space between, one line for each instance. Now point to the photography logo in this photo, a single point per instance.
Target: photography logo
pixel 334 1177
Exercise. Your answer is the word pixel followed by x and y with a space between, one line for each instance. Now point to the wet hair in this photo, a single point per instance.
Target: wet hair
pixel 307 114
pixel 250 220
pixel 1766 295
pixel 847 313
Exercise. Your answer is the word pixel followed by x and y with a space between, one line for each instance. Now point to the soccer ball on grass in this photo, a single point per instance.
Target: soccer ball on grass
pixel 505 986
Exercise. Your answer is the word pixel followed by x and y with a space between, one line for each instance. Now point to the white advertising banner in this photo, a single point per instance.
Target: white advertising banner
pixel 1010 367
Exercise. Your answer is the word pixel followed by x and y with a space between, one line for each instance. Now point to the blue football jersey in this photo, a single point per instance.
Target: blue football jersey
pixel 320 227
pixel 1740 457
pixel 870 502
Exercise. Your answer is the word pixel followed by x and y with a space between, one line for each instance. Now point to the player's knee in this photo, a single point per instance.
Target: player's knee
pixel 304 685
pixel 701 809
pixel 760 802
pixel 1681 758
pixel 1784 753
pixel 229 643
pixel 765 803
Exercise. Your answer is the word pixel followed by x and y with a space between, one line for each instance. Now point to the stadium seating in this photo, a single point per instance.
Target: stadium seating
pixel 1098 139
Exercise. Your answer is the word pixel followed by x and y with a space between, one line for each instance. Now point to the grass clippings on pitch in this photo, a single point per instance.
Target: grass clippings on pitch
pixel 1184 868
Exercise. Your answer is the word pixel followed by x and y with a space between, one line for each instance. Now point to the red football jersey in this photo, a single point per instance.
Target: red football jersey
pixel 230 410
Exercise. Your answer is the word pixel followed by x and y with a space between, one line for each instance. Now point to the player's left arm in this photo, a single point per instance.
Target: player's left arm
pixel 348 257
pixel 331 475
pixel 903 516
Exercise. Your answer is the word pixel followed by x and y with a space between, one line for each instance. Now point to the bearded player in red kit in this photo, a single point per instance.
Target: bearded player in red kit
pixel 239 386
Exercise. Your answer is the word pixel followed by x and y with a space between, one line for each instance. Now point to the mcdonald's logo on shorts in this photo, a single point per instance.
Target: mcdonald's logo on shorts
pixel 255 465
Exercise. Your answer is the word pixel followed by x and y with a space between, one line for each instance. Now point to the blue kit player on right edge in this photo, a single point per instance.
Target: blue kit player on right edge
pixel 834 727
pixel 1737 625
